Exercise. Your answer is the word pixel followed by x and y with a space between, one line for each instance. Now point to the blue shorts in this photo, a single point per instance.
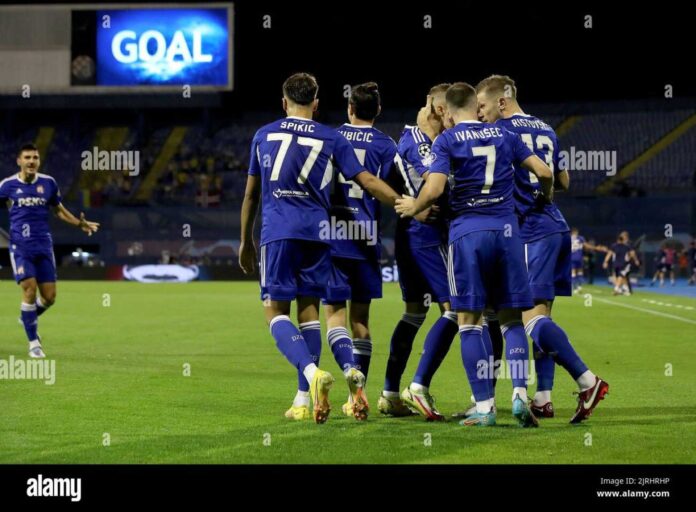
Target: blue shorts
pixel 548 266
pixel 577 263
pixel 36 262
pixel 422 271
pixel 487 268
pixel 294 268
pixel 352 279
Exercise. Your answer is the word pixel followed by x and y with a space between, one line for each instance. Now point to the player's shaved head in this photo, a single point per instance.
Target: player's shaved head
pixel 439 89
pixel 301 88
pixel 461 96
pixel 29 146
pixel 499 86
pixel 365 101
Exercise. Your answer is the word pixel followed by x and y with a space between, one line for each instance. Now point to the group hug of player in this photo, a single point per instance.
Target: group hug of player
pixel 478 233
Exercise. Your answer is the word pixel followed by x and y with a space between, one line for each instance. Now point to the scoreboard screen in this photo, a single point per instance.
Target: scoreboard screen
pixel 163 47
pixel 152 48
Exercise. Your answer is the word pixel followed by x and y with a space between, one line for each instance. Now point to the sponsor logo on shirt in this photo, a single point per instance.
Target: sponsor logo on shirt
pixel 279 193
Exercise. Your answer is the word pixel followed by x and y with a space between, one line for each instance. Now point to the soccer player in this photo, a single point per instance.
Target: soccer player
pixel 691 258
pixel 291 168
pixel 622 256
pixel 577 259
pixel 547 246
pixel 486 260
pixel 421 257
pixel 662 268
pixel 356 275
pixel 29 196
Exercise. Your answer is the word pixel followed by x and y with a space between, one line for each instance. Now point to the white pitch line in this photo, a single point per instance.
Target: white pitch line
pixel 668 304
pixel 658 313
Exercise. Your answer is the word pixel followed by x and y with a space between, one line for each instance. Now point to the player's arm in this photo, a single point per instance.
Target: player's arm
pixel 434 186
pixel 608 257
pixel 376 188
pixel 634 258
pixel 250 205
pixel 85 225
pixel 351 169
pixel 542 171
pixel 427 120
pixel 562 181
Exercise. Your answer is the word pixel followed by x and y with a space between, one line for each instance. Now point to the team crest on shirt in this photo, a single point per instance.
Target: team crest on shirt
pixel 424 149
pixel 40 189
pixel 428 160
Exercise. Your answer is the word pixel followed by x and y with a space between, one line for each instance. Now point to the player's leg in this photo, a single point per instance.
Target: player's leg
pixel 627 287
pixel 281 263
pixel 25 275
pixel 46 297
pixel 365 278
pixel 46 277
pixel 544 364
pixel 318 269
pixel 434 265
pixel 400 346
pixel 342 347
pixel 416 297
pixel 618 281
pixel 359 313
pixel 337 291
pixel 471 262
pixel 517 360
pixel 291 344
pixel 29 317
pixel 511 293
pixel 552 339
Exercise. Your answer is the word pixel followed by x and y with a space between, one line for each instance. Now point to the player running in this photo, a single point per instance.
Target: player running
pixel 622 257
pixel 665 260
pixel 291 168
pixel 547 247
pixel 577 259
pixel 29 196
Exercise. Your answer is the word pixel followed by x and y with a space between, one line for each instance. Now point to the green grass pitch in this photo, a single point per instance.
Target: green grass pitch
pixel 121 396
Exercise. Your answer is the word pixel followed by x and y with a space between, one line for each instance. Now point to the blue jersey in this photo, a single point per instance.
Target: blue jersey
pixel 577 246
pixel 295 158
pixel 412 161
pixel 29 206
pixel 349 202
pixel 537 217
pixel 480 157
